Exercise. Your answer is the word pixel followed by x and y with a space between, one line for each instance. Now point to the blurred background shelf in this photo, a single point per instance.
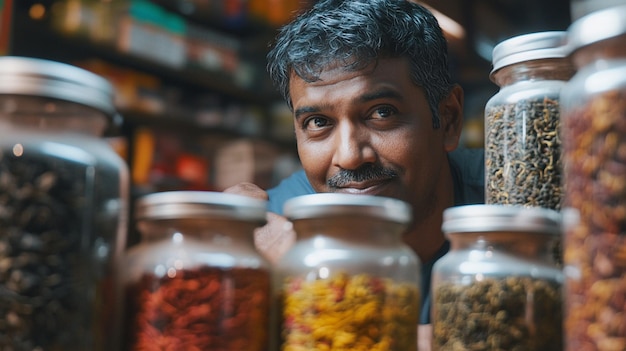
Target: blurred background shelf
pixel 193 71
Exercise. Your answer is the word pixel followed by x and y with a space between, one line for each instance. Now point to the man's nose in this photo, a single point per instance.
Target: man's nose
pixel 352 147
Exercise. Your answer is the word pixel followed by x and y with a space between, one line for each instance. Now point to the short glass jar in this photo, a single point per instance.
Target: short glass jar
pixel 195 280
pixel 63 208
pixel 498 288
pixel 594 151
pixel 522 121
pixel 349 282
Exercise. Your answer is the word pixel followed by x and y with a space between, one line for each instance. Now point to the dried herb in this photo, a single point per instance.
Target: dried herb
pixel 55 291
pixel 349 312
pixel 509 313
pixel 595 246
pixel 206 308
pixel 523 153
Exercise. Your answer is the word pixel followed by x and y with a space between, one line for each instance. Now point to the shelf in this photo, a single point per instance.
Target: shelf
pixel 213 14
pixel 133 119
pixel 179 123
pixel 37 39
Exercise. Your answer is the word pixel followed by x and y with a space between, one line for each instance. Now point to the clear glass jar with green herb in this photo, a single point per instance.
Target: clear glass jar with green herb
pixel 498 288
pixel 522 121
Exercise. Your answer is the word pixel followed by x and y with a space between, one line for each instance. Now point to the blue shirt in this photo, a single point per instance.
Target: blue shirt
pixel 468 175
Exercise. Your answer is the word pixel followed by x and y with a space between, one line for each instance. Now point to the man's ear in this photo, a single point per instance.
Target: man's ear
pixel 451 115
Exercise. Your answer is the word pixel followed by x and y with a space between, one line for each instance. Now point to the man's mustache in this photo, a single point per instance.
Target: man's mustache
pixel 366 172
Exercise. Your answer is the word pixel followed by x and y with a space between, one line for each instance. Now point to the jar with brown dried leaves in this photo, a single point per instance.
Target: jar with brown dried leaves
pixel 594 150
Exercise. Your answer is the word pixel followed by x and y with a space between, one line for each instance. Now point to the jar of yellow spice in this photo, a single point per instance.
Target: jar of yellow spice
pixel 349 282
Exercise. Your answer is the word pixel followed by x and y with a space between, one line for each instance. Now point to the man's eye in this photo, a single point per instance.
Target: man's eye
pixel 315 123
pixel 383 112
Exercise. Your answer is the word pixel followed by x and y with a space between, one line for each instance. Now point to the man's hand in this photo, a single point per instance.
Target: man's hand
pixel 275 237
pixel 424 337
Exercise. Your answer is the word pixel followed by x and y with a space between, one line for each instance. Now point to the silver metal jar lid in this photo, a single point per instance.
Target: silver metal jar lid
pixel 38 77
pixel 493 218
pixel 527 47
pixel 199 204
pixel 597 26
pixel 332 204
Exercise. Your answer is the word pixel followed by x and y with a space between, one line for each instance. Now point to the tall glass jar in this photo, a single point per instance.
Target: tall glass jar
pixel 522 121
pixel 498 288
pixel 195 280
pixel 594 141
pixel 63 208
pixel 349 282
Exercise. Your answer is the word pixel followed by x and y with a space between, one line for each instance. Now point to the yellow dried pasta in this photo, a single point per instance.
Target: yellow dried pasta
pixel 349 312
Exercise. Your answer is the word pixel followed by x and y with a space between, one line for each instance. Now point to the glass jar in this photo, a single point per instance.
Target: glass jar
pixel 63 208
pixel 594 150
pixel 195 280
pixel 498 288
pixel 349 282
pixel 522 121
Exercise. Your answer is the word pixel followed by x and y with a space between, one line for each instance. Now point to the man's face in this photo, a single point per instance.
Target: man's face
pixel 369 132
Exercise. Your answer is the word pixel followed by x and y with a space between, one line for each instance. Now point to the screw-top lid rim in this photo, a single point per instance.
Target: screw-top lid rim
pixel 199 204
pixel 46 78
pixel 597 26
pixel 528 47
pixel 492 218
pixel 325 205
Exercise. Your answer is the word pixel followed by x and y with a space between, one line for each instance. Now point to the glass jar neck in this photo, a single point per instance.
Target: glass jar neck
pixel 528 245
pixel 50 115
pixel 610 49
pixel 206 230
pixel 357 229
pixel 547 69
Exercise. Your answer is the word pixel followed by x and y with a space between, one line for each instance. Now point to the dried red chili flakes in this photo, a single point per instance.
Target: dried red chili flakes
pixel 206 308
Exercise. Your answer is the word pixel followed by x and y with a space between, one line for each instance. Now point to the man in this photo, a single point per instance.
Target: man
pixel 375 112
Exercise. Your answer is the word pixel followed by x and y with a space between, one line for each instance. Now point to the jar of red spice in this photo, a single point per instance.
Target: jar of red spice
pixel 195 281
pixel 594 141
pixel 349 282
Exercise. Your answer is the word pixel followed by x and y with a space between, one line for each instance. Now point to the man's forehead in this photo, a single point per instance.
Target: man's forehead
pixel 317 71
pixel 333 68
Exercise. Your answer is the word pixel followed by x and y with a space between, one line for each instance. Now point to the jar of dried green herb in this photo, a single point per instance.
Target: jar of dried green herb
pixel 195 281
pixel 498 288
pixel 594 150
pixel 522 121
pixel 349 282
pixel 63 208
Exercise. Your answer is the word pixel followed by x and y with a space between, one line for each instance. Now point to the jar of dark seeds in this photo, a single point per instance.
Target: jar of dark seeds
pixel 349 282
pixel 63 208
pixel 195 280
pixel 594 149
pixel 498 288
pixel 522 121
